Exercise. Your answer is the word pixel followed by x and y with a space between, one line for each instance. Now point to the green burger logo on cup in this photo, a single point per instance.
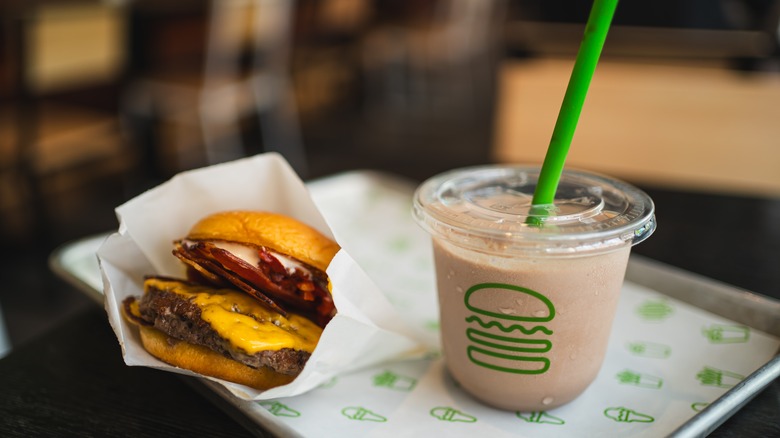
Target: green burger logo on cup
pixel 499 339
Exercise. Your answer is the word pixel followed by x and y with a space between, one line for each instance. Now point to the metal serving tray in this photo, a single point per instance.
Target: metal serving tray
pixel 373 196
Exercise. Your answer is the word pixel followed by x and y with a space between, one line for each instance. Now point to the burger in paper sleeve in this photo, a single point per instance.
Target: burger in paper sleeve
pixel 242 282
pixel 253 305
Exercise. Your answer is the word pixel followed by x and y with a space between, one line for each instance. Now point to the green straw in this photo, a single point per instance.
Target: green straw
pixel 587 57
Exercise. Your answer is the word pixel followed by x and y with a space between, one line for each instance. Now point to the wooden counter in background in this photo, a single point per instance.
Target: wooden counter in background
pixel 686 126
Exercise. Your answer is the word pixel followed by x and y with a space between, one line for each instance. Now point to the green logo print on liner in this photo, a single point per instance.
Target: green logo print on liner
pixel 625 415
pixel 497 343
pixel 391 380
pixel 358 413
pixel 541 417
pixel 432 325
pixel 399 245
pixel 710 376
pixel 452 415
pixel 699 406
pixel 329 383
pixel 726 334
pixel 654 310
pixel 280 410
pixel 641 380
pixel 649 349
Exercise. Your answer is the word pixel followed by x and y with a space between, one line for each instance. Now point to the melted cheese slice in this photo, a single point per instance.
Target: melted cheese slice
pixel 243 321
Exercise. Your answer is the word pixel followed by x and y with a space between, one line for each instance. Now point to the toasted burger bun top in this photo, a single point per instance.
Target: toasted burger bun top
pixel 271 230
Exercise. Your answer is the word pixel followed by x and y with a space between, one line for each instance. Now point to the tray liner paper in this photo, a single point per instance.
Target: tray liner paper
pixel 666 359
pixel 366 329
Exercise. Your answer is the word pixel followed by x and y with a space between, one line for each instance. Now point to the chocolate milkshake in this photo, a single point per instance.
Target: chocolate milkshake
pixel 558 344
pixel 526 299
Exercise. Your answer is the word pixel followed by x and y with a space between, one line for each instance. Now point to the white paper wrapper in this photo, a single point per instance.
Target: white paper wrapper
pixel 366 330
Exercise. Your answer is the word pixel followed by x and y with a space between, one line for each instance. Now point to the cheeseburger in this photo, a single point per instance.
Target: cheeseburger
pixel 253 305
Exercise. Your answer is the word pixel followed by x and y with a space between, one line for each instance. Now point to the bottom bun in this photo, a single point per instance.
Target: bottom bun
pixel 207 362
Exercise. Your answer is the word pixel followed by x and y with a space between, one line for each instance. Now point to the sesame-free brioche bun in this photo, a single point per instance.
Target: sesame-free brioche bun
pixel 207 362
pixel 271 230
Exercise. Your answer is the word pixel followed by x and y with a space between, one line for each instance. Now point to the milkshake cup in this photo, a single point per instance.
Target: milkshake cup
pixel 527 299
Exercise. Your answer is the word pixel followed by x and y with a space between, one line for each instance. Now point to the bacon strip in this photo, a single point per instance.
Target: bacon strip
pixel 270 283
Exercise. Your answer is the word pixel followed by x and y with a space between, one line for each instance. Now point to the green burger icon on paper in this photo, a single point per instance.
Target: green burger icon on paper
pixel 506 330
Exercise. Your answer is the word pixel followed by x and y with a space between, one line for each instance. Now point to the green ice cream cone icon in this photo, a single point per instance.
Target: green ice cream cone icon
pixel 540 417
pixel 362 414
pixel 726 334
pixel 654 310
pixel 720 378
pixel 280 410
pixel 452 415
pixel 391 380
pixel 625 415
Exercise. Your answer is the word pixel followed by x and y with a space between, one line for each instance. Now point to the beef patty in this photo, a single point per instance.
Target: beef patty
pixel 177 317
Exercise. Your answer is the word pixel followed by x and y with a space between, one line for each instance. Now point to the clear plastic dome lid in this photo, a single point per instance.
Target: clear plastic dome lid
pixel 489 209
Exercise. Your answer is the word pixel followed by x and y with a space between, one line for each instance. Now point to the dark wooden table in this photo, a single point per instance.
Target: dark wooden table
pixel 72 381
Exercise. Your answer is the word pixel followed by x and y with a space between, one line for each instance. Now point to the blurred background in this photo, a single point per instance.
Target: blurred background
pixel 100 100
